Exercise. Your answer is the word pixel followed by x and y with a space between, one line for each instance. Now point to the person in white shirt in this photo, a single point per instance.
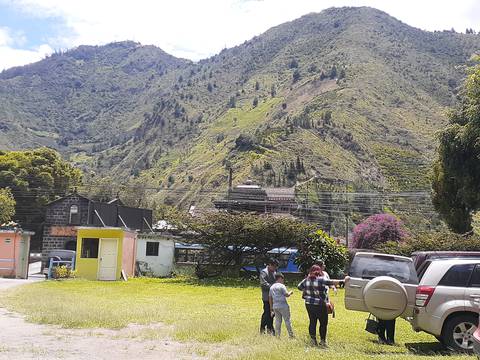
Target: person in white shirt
pixel 278 303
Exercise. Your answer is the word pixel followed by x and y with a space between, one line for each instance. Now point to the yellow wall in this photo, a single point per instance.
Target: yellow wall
pixel 88 268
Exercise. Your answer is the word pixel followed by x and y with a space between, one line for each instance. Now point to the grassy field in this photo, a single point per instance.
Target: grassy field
pixel 222 315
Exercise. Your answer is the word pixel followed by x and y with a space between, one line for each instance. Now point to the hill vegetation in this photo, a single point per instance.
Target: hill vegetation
pixel 349 98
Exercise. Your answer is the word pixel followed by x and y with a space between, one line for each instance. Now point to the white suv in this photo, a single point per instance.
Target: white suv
pixel 383 285
pixel 447 301
pixel 443 302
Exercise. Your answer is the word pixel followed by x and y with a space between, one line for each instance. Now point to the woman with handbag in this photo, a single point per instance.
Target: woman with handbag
pixel 315 296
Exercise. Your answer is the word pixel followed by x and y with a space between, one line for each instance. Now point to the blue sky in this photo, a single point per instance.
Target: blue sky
pixel 194 29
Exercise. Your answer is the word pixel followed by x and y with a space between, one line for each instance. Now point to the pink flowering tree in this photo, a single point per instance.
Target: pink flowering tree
pixel 377 230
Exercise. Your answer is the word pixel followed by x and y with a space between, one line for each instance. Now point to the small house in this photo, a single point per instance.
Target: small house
pixel 14 252
pixel 65 214
pixel 155 254
pixel 103 253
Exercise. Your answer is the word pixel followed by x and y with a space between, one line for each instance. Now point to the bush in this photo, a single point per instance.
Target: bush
pixel 245 142
pixel 319 245
pixel 377 230
pixel 63 272
pixel 432 241
pixel 476 223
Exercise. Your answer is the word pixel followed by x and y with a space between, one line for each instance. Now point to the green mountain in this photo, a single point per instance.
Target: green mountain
pixel 349 97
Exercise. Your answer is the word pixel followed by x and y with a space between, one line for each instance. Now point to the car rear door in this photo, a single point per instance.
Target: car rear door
pixel 472 292
pixel 383 285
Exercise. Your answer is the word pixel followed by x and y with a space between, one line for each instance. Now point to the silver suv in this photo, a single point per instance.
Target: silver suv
pixel 447 301
pixel 383 285
pixel 444 302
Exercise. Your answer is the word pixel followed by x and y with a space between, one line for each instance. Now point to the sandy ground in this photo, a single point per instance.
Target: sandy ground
pixel 23 340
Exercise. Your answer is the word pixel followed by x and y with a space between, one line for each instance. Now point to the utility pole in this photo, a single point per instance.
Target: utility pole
pixel 346 230
pixel 306 201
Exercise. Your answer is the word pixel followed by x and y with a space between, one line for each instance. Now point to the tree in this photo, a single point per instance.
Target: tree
pixel 456 171
pixel 476 223
pixel 376 230
pixel 230 238
pixel 273 90
pixel 333 72
pixel 255 102
pixel 257 85
pixel 232 102
pixel 36 177
pixel 245 142
pixel 319 245
pixel 209 87
pixel 7 205
pixel 296 75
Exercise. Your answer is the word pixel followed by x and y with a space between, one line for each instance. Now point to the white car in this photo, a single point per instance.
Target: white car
pixel 447 301
pixel 442 300
pixel 383 285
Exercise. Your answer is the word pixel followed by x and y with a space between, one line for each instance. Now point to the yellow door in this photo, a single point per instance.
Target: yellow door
pixel 107 265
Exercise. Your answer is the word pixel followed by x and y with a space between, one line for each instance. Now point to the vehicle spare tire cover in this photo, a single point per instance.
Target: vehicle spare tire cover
pixel 385 297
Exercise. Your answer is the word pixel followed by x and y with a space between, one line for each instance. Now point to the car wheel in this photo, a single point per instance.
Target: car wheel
pixel 440 340
pixel 458 332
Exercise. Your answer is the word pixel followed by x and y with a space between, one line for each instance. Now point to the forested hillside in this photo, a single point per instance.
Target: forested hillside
pixel 349 97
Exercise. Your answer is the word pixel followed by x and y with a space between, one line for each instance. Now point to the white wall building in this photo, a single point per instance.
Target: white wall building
pixel 155 254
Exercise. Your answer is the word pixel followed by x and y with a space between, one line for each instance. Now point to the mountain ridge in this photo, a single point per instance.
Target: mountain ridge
pixel 352 93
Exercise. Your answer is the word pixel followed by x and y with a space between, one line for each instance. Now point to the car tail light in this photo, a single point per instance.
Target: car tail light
pixel 423 295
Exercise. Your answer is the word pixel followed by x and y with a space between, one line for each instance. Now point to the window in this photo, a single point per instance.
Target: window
pixel 457 275
pixel 475 280
pixel 74 215
pixel 90 248
pixel 152 248
pixel 369 267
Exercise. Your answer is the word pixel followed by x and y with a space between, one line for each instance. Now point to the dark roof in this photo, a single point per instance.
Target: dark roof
pixel 116 201
pixel 67 196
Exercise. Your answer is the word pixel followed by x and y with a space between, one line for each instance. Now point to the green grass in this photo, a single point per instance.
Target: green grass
pixel 220 317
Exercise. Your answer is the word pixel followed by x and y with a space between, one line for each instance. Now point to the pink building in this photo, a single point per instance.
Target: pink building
pixel 14 252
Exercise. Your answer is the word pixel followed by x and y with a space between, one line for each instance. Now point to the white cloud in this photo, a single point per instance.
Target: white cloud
pixel 196 29
pixel 12 56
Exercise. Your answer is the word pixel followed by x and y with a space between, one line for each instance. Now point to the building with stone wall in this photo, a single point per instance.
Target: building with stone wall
pixel 64 215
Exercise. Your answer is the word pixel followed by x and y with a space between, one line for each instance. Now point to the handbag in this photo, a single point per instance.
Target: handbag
pixel 331 308
pixel 371 325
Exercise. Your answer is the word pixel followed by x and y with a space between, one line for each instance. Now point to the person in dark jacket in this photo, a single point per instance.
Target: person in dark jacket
pixel 314 288
pixel 386 331
pixel 267 279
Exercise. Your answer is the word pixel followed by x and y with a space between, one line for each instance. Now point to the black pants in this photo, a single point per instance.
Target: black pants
pixel 386 330
pixel 267 319
pixel 317 313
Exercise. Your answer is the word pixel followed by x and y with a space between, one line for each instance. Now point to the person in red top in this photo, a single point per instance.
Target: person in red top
pixel 314 290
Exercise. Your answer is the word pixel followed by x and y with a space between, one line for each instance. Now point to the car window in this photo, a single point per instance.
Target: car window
pixel 457 275
pixel 422 269
pixel 475 279
pixel 369 267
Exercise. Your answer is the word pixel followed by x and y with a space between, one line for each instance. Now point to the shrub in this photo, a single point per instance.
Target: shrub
pixel 296 75
pixel 63 272
pixel 319 245
pixel 376 230
pixel 245 142
pixel 476 223
pixel 432 241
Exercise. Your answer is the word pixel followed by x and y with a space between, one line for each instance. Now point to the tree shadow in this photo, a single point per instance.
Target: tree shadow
pixel 433 348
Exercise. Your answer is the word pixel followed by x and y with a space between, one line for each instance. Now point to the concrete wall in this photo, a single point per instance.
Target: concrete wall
pixel 128 253
pixel 161 265
pixel 14 249
pixel 87 268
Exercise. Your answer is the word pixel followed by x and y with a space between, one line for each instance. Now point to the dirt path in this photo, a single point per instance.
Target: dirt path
pixel 23 340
